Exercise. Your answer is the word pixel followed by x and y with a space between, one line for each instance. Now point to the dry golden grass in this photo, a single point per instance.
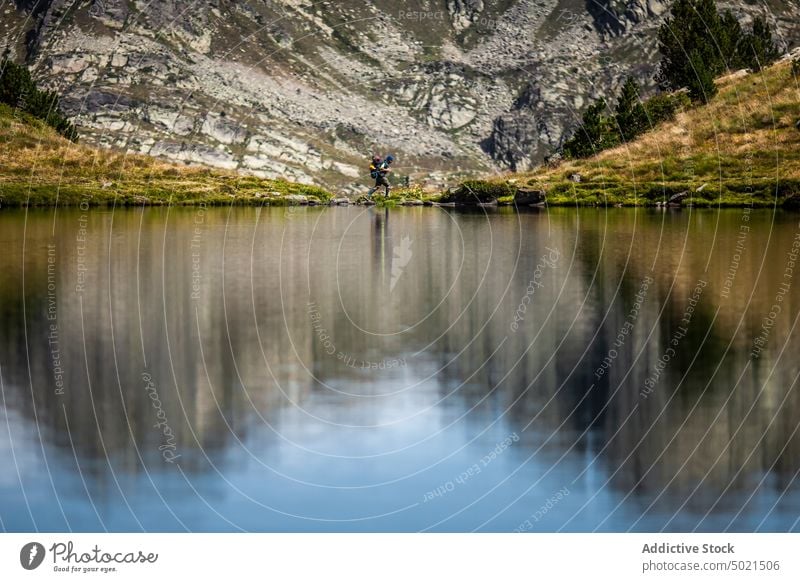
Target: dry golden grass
pixel 39 166
pixel 744 145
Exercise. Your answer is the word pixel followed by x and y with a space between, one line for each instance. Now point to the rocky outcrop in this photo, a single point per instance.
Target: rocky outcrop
pixel 464 12
pixel 223 130
pixel 112 13
pixel 615 17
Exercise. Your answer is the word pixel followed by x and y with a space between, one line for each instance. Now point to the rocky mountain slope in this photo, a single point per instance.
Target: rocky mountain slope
pixel 306 89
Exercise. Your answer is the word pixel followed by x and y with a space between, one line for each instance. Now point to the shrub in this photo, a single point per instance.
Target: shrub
pixel 632 118
pixel 663 107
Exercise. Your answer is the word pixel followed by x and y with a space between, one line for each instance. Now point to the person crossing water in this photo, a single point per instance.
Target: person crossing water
pixel 378 171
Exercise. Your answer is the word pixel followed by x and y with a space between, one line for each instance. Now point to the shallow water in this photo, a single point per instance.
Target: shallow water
pixel 350 369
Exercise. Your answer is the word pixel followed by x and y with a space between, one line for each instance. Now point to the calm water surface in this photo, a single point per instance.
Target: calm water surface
pixel 353 369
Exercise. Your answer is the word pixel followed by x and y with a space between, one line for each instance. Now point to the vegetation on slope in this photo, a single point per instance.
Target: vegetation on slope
pixel 698 43
pixel 40 167
pixel 742 148
pixel 18 90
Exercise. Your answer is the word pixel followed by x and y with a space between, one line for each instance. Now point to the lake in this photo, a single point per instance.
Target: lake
pixel 413 369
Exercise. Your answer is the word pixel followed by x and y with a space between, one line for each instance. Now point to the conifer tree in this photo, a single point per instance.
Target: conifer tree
pixel 730 41
pixel 757 48
pixel 594 134
pixel 630 115
pixel 18 90
pixel 688 44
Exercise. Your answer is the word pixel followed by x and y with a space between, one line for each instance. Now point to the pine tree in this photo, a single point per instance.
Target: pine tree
pixel 687 41
pixel 702 87
pixel 730 40
pixel 758 49
pixel 594 134
pixel 18 90
pixel 630 115
pixel 15 83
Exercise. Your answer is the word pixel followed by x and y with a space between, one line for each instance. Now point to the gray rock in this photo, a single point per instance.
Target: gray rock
pixel 296 199
pixel 464 12
pixel 677 199
pixel 525 197
pixel 223 129
pixel 615 17
pixel 112 13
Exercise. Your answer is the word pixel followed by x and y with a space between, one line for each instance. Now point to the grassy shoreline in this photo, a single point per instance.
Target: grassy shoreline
pixel 38 167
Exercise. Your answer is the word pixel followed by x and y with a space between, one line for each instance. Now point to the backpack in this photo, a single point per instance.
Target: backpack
pixel 374 167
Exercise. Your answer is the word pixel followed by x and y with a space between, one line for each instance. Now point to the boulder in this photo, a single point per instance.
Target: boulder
pixel 575 178
pixel 524 197
pixel 296 199
pixel 677 199
pixel 553 160
pixel 474 192
pixel 792 202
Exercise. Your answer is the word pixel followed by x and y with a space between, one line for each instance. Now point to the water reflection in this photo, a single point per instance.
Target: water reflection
pixel 365 369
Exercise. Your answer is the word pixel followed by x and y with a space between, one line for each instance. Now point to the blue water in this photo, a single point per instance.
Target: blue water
pixel 351 369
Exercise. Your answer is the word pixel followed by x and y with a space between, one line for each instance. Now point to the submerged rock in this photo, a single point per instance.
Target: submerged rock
pixel 677 199
pixel 475 192
pixel 525 197
pixel 296 199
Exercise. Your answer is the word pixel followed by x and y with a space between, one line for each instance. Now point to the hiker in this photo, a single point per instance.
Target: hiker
pixel 378 170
